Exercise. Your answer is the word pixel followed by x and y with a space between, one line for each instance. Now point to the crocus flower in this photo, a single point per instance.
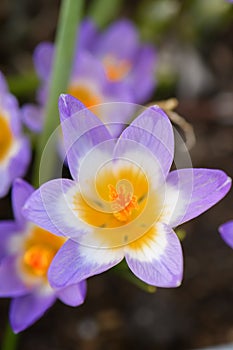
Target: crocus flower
pixel 105 69
pixel 226 232
pixel 14 147
pixel 122 201
pixel 26 252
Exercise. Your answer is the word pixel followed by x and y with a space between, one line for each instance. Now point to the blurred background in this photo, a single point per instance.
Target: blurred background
pixel 194 42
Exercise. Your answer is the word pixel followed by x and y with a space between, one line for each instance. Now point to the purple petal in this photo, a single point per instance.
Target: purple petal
pixel 11 105
pixel 88 68
pixel 74 263
pixel 43 59
pixel 142 76
pixel 157 259
pixel 87 35
pixel 120 40
pixel 226 232
pixel 11 285
pixel 156 122
pixel 197 190
pixel 68 106
pixel 32 117
pixel 27 309
pixel 73 295
pixel 42 94
pixel 152 131
pixel 82 131
pixel 19 163
pixel 21 191
pixel 51 208
pixel 118 92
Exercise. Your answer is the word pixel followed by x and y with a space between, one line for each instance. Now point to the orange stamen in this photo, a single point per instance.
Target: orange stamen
pixel 38 259
pixel 116 69
pixel 124 202
pixel 40 248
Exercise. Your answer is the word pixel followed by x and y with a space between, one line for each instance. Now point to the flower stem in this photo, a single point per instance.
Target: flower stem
pixel 123 271
pixel 69 18
pixel 10 340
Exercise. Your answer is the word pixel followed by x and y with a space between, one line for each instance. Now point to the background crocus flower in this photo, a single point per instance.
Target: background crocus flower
pixel 14 146
pixel 26 252
pixel 226 232
pixel 105 69
pixel 123 202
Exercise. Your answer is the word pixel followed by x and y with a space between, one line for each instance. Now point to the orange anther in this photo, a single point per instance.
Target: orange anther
pixel 116 69
pixel 38 259
pixel 124 202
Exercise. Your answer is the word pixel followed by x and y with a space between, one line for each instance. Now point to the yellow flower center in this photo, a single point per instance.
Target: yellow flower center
pixel 119 205
pixel 40 248
pixel 6 137
pixel 85 94
pixel 121 198
pixel 116 69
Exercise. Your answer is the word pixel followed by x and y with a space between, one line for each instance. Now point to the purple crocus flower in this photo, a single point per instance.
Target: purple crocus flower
pixel 122 201
pixel 15 151
pixel 26 252
pixel 226 232
pixel 105 69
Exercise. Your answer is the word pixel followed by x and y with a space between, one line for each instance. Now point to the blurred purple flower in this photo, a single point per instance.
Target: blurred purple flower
pixel 15 151
pixel 226 232
pixel 26 252
pixel 123 202
pixel 105 69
